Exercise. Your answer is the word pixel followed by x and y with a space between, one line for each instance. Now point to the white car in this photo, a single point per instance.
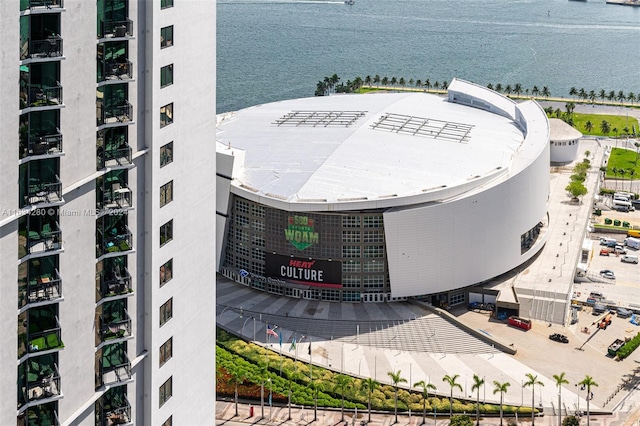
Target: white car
pixel 607 273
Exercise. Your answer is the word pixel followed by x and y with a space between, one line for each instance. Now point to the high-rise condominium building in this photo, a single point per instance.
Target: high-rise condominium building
pixel 107 201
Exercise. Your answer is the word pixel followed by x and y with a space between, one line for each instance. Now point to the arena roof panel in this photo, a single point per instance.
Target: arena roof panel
pixel 355 162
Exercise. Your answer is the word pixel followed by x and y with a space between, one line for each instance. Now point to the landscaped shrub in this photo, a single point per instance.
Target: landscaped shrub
pixel 461 421
pixel 629 347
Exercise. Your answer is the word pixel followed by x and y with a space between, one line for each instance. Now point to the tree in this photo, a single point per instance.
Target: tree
pixel 602 94
pixel 425 394
pixel 611 95
pixel 592 96
pixel 369 385
pixel 508 89
pixel 576 188
pixel 589 383
pixel 490 86
pixel 396 378
pixel 637 145
pixel 236 377
pixel 546 92
pixel 535 91
pixel 376 79
pixel 573 91
pixel 318 387
pixel 402 82
pixel 418 83
pixel 427 84
pixel 532 380
pixel 631 97
pixel 560 380
pixel 582 94
pixel 621 96
pixel 517 89
pixel 570 106
pixel 394 81
pixel 502 388
pixel 367 80
pixel 571 421
pixel 445 85
pixel 587 153
pixel 615 130
pixel 605 128
pixel 410 82
pixel 588 126
pixel 341 385
pixel 452 382
pixel 385 81
pixel 321 88
pixel 477 383
pixel 498 87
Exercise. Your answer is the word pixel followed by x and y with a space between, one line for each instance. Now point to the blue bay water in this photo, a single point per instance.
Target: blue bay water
pixel 269 51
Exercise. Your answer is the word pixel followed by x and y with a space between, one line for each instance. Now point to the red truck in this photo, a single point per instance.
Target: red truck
pixel 518 322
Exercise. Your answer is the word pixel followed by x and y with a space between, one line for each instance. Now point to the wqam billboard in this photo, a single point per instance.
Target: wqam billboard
pixel 305 271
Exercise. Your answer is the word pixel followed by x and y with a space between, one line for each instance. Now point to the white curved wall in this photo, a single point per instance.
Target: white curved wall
pixel 439 247
pixel 564 151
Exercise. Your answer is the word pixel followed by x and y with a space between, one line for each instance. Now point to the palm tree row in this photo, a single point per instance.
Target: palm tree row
pixel 602 94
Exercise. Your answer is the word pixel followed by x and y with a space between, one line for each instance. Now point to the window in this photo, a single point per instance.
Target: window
pixel 166 154
pixel 166 37
pixel 163 5
pixel 166 75
pixel 166 312
pixel 166 194
pixel 166 272
pixel 168 422
pixel 166 115
pixel 166 233
pixel 166 351
pixel 165 391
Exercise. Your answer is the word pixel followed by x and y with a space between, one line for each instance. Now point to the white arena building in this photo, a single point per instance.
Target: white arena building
pixel 381 196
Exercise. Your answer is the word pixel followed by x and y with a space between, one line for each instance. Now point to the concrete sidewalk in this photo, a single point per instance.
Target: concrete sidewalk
pixel 279 415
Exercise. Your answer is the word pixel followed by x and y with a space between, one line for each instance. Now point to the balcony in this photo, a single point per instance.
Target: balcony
pixel 112 365
pixel 43 237
pixel 117 198
pixel 113 408
pixel 113 282
pixel 39 415
pixel 40 95
pixel 38 331
pixel 116 29
pixel 114 325
pixel 44 145
pixel 43 192
pixel 112 148
pixel 115 114
pixel 41 4
pixel 113 243
pixel 40 288
pixel 39 379
pixel 115 70
pixel 50 47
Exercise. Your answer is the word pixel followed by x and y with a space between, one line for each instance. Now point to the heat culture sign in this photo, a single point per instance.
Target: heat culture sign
pixel 323 273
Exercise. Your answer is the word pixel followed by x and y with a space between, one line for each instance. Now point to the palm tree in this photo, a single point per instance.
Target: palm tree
pixel 517 89
pixel 560 380
pixel 436 85
pixel 621 96
pixel 602 94
pixel 533 381
pixel 498 88
pixel 588 126
pixel 611 95
pixel 605 127
pixel 334 80
pixel 376 79
pixel 570 106
pixel 477 383
pixel 425 394
pixel 316 387
pixel 592 95
pixel 637 145
pixel 588 382
pixel 342 382
pixel 582 94
pixel 402 82
pixel 632 173
pixel 535 91
pixel 445 85
pixel 490 86
pixel 385 81
pixel 396 378
pixel 622 173
pixel 236 377
pixel 451 381
pixel 615 130
pixel 545 92
pixel 410 82
pixel 394 81
pixel 502 388
pixel 508 89
pixel 573 91
pixel 631 97
pixel 367 80
pixel 427 84
pixel 369 385
pixel 418 83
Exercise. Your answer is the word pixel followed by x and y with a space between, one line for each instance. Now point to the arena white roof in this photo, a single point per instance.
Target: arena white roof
pixel 561 131
pixel 345 148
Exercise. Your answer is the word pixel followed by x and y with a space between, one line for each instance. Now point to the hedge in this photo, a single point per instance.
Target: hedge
pixel 629 347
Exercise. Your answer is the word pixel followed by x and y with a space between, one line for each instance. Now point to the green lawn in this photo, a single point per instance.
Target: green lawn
pixel 619 122
pixel 623 159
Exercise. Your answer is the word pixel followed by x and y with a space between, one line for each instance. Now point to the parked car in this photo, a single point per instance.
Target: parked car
pixel 623 313
pixel 607 273
pixel 604 252
pixel 619 249
pixel 557 337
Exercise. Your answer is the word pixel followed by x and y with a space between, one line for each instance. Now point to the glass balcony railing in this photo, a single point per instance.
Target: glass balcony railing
pixel 113 365
pixel 113 282
pixel 44 145
pixel 110 28
pixel 40 191
pixel 47 238
pixel 120 241
pixel 41 288
pixel 41 95
pixel 51 47
pixel 115 70
pixel 113 114
pixel 38 334
pixel 43 381
pixel 115 326
pixel 114 411
pixel 39 415
pixel 35 4
pixel 116 198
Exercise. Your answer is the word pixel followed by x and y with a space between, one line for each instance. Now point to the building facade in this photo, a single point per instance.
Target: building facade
pixel 381 197
pixel 103 283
